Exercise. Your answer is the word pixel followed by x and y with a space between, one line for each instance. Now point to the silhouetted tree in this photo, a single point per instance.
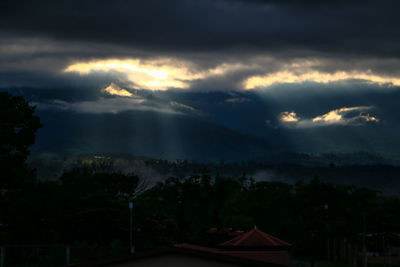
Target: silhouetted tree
pixel 18 126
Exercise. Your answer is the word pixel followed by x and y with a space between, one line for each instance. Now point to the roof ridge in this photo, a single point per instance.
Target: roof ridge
pixel 242 238
pixel 269 237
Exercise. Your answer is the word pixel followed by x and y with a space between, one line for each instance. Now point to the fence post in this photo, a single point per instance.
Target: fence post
pixel 67 254
pixel 2 256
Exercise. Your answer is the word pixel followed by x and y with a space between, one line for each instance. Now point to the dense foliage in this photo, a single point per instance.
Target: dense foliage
pixel 91 205
pixel 189 207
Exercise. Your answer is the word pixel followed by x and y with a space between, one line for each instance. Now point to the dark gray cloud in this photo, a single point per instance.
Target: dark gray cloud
pixel 349 27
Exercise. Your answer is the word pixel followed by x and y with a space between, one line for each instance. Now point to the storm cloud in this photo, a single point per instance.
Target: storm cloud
pixel 295 73
pixel 356 27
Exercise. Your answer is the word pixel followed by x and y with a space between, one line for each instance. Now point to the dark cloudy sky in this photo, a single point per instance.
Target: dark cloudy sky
pixel 310 76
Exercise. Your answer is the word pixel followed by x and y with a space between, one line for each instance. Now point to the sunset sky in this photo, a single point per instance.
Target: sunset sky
pixel 308 76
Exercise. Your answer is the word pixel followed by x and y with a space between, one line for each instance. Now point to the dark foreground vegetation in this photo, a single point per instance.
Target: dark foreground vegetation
pixel 89 203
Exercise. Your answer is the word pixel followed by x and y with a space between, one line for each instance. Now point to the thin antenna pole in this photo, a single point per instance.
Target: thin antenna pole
pixel 132 248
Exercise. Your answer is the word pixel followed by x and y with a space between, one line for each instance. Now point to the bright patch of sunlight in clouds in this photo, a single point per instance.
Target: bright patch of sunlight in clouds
pixel 114 89
pixel 165 73
pixel 156 74
pixel 299 76
pixel 336 116
pixel 341 116
pixel 288 116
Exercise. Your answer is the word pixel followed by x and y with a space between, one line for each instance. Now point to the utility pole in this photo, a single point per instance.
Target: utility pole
pixel 328 249
pixel 364 243
pixel 383 249
pixel 312 249
pixel 132 248
pixel 67 254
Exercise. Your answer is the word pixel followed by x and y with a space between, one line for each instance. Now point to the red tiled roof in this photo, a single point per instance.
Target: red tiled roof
pixel 274 257
pixel 253 245
pixel 255 238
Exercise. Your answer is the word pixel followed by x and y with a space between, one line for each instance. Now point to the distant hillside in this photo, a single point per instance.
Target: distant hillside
pixel 149 134
pixel 218 125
